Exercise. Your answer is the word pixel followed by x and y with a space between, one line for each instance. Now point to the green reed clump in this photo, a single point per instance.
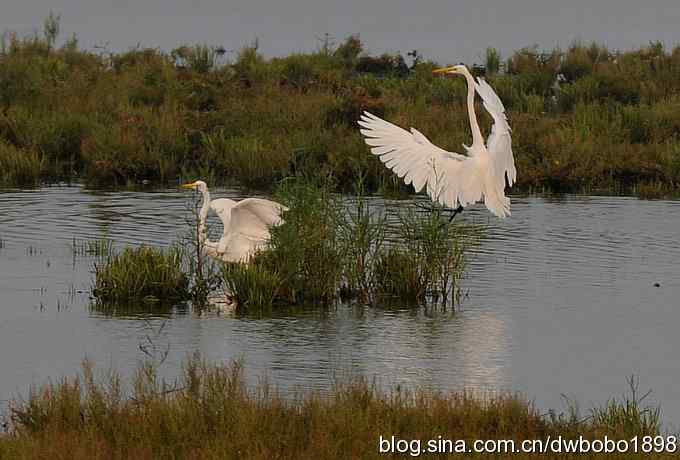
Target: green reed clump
pixel 628 416
pixel 142 274
pixel 410 256
pixel 362 230
pixel 211 412
pixel 328 249
pixel 19 166
pixel 303 263
pixel 398 276
pixel 305 251
pixel 253 287
pixel 426 260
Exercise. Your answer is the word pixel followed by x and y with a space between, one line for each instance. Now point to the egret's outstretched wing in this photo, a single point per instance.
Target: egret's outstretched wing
pixel 451 178
pixel 499 143
pixel 246 226
pixel 253 217
pixel 222 208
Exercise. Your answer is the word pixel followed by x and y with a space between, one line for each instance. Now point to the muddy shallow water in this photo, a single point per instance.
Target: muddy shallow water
pixel 561 300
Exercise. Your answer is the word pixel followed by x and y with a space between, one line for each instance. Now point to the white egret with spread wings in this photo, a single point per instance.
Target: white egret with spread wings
pixel 246 224
pixel 452 179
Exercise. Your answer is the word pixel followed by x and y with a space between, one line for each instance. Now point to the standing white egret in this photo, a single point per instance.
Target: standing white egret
pixel 452 179
pixel 246 224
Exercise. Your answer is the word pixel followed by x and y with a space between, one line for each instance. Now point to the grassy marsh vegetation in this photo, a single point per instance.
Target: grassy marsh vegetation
pixel 329 249
pixel 210 412
pixel 147 115
pixel 427 258
pixel 142 274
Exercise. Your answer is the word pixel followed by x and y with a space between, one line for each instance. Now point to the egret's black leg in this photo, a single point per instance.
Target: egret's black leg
pixel 456 211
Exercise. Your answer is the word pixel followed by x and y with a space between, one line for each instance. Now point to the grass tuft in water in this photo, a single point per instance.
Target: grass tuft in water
pixel 253 287
pixel 97 248
pixel 142 274
pixel 324 252
pixel 398 277
pixel 363 232
pixel 435 248
pixel 305 250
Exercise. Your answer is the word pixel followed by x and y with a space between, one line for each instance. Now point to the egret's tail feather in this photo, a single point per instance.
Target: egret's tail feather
pixel 499 205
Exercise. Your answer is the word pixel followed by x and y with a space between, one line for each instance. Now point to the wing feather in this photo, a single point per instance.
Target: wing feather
pixel 419 162
pixel 246 226
pixel 252 217
pixel 222 207
pixel 499 143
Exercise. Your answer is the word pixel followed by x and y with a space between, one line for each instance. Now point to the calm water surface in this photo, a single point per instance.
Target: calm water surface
pixel 561 300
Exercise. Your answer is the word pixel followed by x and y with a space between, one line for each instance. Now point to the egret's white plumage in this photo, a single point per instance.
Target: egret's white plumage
pixel 246 224
pixel 451 179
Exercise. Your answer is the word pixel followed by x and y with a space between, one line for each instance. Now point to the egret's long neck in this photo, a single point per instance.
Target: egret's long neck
pixel 477 139
pixel 203 217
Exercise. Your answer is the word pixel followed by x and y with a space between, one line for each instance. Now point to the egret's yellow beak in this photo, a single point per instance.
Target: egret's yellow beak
pixel 443 70
pixel 191 185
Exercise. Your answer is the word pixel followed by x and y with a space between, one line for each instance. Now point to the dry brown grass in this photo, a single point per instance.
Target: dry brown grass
pixel 211 413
